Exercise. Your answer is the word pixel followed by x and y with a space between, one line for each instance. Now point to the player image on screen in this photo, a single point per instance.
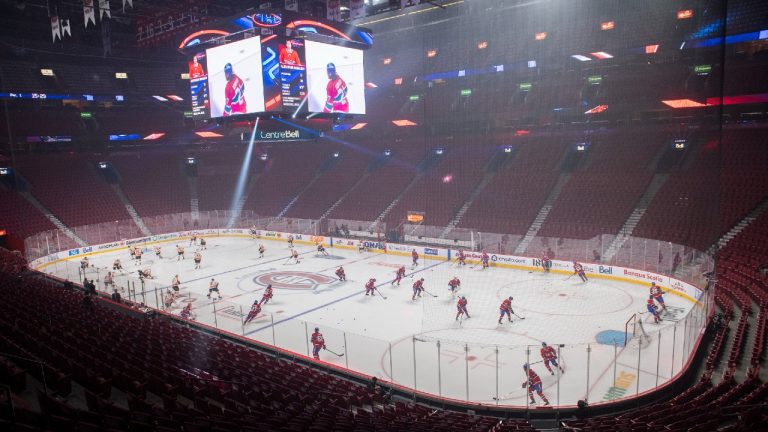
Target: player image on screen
pixel 335 78
pixel 196 68
pixel 289 56
pixel 234 78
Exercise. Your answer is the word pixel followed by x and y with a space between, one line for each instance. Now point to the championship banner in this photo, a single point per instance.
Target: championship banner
pixel 65 28
pixel 356 9
pixel 292 5
pixel 89 13
pixel 55 28
pixel 333 10
pixel 104 9
pixel 130 4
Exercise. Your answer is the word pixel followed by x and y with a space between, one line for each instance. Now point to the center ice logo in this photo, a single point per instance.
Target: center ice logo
pixel 293 280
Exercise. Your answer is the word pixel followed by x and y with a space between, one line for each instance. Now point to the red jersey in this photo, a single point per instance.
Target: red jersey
pixel 418 284
pixel 255 309
pixel 336 92
pixel 453 283
pixel 485 257
pixel 651 305
pixel 268 293
pixel 414 254
pixel 401 272
pixel 234 95
pixel 578 268
pixel 506 305
pixel 289 58
pixel 196 70
pixel 548 353
pixel 533 378
pixel 461 256
pixel 317 339
pixel 656 291
pixel 340 272
pixel 369 285
pixel 462 304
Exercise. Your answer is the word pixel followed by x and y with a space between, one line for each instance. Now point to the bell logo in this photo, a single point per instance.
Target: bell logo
pixel 605 270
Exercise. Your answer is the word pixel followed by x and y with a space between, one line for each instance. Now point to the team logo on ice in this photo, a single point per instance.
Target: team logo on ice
pixel 293 280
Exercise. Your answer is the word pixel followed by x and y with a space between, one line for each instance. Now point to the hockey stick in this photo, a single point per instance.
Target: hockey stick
pixel 334 353
pixel 522 318
pixel 569 277
pixel 382 295
pixel 429 292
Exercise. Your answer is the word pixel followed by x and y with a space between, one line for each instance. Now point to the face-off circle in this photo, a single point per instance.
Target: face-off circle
pixel 293 280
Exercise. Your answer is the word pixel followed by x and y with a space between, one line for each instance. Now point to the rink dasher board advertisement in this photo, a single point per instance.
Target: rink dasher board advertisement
pixel 600 271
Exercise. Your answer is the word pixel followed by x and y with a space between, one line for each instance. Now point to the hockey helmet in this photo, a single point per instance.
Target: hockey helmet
pixel 525 366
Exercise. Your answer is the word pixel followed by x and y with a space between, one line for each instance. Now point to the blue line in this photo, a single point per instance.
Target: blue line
pixel 335 301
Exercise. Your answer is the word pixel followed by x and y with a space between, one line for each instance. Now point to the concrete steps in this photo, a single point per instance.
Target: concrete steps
pixel 541 216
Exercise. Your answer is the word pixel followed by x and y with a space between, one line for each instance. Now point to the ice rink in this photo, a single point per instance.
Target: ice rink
pixel 419 344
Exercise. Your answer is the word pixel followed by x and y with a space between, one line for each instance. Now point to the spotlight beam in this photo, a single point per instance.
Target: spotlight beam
pixel 242 180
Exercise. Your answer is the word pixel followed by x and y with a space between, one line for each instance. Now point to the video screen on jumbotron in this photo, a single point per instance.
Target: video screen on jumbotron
pixel 234 78
pixel 198 85
pixel 335 78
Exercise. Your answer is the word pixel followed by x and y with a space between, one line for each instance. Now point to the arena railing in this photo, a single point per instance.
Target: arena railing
pixel 473 366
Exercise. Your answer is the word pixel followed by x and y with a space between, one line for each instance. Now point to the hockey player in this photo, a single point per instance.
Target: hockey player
pixel 318 343
pixel 84 263
pixel 461 259
pixel 193 240
pixel 198 257
pixel 653 310
pixel 579 270
pixel 186 313
pixel 399 275
pixel 267 296
pixel 253 232
pixel 109 280
pixel 294 255
pixel 321 249
pixel 117 265
pixel 137 253
pixel 549 356
pixel 203 244
pixel 657 295
pixel 340 273
pixel 262 249
pixel 255 310
pixel 506 309
pixel 146 274
pixel 158 252
pixel 370 286
pixel 175 282
pixel 179 252
pixel 533 383
pixel 454 285
pixel 418 287
pixel 336 92
pixel 132 252
pixel 290 241
pixel 213 286
pixel 546 263
pixel 485 258
pixel 415 258
pixel 361 247
pixel 168 299
pixel 462 307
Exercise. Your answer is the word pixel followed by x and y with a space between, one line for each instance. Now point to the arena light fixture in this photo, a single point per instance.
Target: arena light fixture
pixel 358 126
pixel 399 81
pixel 608 25
pixel 154 136
pixel 580 57
pixel 482 45
pixel 540 36
pixel 401 123
pixel 46 72
pixel 208 134
pixel 447 178
pixel 263 156
pixel 336 154
pixel 507 149
pixel 370 85
pixel 685 14
pixel 439 151
pixel 597 109
pixel 191 161
pixel 103 165
pixel 174 98
pixel 432 53
pixel 121 75
pixel 651 49
pixel 683 103
pixel 160 98
pixel 387 60
pixel 531 64
pixel 601 55
pixel 387 152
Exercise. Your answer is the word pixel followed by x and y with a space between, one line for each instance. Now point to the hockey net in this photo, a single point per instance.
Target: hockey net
pixel 634 332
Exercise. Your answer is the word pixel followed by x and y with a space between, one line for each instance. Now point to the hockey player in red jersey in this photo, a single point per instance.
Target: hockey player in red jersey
pixel 653 309
pixel 267 296
pixel 546 263
pixel 418 287
pixel 461 305
pixel 454 285
pixel 579 270
pixel 415 258
pixel 195 68
pixel 255 310
pixel 288 56
pixel 399 275
pixel 318 343
pixel 340 273
pixel 549 356
pixel 506 309
pixel 485 258
pixel 336 92
pixel 533 383
pixel 461 258
pixel 657 294
pixel 370 286
pixel 234 93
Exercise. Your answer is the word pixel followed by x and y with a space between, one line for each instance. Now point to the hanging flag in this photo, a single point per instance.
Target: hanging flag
pixel 292 5
pixel 89 12
pixel 130 4
pixel 55 28
pixel 356 9
pixel 65 28
pixel 333 10
pixel 104 9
